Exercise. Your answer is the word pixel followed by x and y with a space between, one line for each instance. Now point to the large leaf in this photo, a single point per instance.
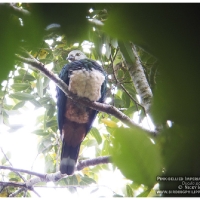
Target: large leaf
pixel 106 148
pixel 35 103
pixel 129 191
pixel 25 77
pixel 71 180
pixel 126 99
pixel 22 96
pixel 39 86
pixel 136 156
pixel 95 133
pixel 40 132
pixel 51 123
pixel 2 93
pixel 18 105
pixel 49 164
pixel 125 48
pixel 44 100
pixel 51 111
pixel 20 86
pixel 87 180
pixel 46 82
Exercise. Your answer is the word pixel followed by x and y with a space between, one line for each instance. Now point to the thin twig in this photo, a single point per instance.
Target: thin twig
pixel 23 171
pixel 12 165
pixel 17 192
pixel 33 190
pixel 118 82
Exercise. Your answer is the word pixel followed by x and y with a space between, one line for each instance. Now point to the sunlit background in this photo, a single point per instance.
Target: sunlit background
pixel 21 144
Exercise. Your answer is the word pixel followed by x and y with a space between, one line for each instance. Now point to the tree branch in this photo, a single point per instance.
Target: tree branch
pixel 23 171
pixel 17 192
pixel 141 84
pixel 96 161
pixel 23 186
pixel 5 184
pixel 94 105
pixel 50 177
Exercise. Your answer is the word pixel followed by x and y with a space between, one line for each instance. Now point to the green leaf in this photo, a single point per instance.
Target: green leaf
pixel 90 143
pixel 129 112
pixel 12 175
pixel 18 105
pixel 126 100
pixel 35 103
pixel 118 58
pixel 108 50
pixel 14 179
pixel 145 193
pixel 2 93
pixel 114 43
pixel 125 48
pixel 71 180
pixel 51 111
pixel 98 45
pixel 44 100
pixel 95 133
pixel 117 195
pixel 51 123
pixel 129 191
pixel 40 132
pixel 87 180
pixel 5 114
pixel 130 88
pixel 46 82
pixel 49 164
pixel 118 102
pixel 20 86
pixel 136 156
pixel 8 155
pixel 120 74
pixel 106 148
pixel 39 86
pixel 21 96
pixel 26 77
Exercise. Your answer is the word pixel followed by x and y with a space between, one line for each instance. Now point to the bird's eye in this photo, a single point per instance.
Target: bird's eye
pixel 78 54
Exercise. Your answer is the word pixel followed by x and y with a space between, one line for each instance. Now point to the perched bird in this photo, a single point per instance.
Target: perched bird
pixel 85 78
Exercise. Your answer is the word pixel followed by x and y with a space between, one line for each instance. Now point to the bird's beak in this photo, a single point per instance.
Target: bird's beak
pixel 70 58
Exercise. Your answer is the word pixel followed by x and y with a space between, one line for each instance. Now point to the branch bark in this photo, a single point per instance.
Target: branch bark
pixel 141 84
pixel 92 162
pixel 50 177
pixel 14 194
pixel 94 105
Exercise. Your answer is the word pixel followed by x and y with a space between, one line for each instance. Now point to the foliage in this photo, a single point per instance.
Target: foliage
pixel 159 29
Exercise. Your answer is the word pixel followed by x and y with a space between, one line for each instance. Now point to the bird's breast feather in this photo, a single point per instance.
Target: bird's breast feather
pixel 87 83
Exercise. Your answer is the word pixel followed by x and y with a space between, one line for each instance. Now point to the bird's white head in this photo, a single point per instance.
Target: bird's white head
pixel 76 55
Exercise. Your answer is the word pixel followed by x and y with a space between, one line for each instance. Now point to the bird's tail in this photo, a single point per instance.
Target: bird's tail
pixel 69 156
